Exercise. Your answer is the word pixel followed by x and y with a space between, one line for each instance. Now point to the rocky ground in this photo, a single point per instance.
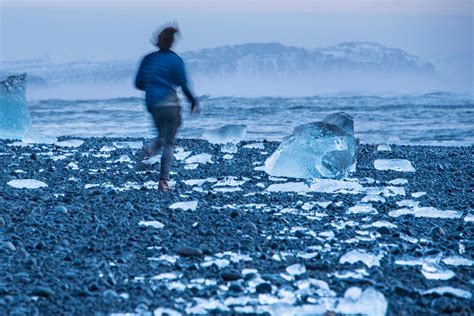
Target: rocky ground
pixel 93 235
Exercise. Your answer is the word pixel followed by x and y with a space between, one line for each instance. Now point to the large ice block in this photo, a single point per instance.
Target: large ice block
pixel 225 134
pixel 15 118
pixel 323 149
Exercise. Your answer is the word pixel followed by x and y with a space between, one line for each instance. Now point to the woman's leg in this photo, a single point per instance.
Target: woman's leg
pixel 171 122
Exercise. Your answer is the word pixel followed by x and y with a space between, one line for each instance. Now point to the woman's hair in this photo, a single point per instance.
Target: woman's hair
pixel 166 38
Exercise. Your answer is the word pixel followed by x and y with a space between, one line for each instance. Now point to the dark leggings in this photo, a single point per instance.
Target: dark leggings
pixel 167 121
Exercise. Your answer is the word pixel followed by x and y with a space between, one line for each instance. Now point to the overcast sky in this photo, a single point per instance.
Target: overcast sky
pixel 111 29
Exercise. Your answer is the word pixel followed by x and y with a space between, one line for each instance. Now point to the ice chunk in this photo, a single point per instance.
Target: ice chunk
pixel 132 145
pixel 398 181
pixel 200 158
pixel 449 290
pixel 70 143
pixel 316 150
pixel 418 194
pixel 433 271
pixel 457 261
pixel 357 255
pixel 162 311
pixel 27 184
pixel 384 147
pixel 296 269
pixel 383 224
pixel 469 218
pixel 191 205
pixel 255 146
pixel 15 118
pixel 226 134
pixel 362 209
pixel 402 165
pixel 154 224
pixel 370 302
pixel 430 212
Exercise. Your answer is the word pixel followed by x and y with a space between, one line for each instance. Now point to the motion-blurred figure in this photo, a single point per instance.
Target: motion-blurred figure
pixel 159 74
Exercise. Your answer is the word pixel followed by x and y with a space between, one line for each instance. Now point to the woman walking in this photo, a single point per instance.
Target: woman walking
pixel 159 75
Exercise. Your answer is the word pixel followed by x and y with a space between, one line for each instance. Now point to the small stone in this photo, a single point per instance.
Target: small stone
pixel 234 213
pixel 60 209
pixel 2 222
pixel 8 246
pixel 264 288
pixel 383 230
pixel 110 295
pixel 3 290
pixel 250 227
pixel 236 287
pixel 189 252
pixel 42 291
pixel 231 275
pixel 7 219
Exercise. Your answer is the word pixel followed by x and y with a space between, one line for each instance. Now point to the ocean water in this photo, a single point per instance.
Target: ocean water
pixel 428 119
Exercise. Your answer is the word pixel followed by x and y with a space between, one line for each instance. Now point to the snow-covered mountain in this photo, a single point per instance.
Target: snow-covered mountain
pixel 275 58
pixel 264 68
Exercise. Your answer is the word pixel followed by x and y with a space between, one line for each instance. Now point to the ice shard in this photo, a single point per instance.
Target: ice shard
pixel 228 136
pixel 323 149
pixel 15 118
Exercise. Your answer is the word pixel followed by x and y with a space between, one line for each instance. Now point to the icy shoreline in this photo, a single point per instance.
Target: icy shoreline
pixel 86 231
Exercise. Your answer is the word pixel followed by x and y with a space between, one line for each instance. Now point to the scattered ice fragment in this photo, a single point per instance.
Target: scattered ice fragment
pixel 469 218
pixel 383 224
pixel 359 255
pixel 191 166
pixel 70 143
pixel 308 255
pixel 185 206
pixel 227 189
pixel 373 198
pixel 402 165
pixel 124 158
pixel 441 290
pixel 220 263
pixel 458 261
pixel 370 302
pixel 230 181
pixel 255 146
pixel 418 194
pixel 362 209
pixel 384 147
pixel 433 271
pixel 162 311
pixel 73 166
pixel 181 155
pixel 193 182
pixel 318 185
pixel 229 148
pixel 296 269
pixel 225 134
pixel 398 181
pixel 357 274
pixel 327 234
pixel 106 149
pixel 165 258
pixel 426 212
pixel 316 150
pixel 154 224
pixel 132 145
pixel 15 116
pixel 27 184
pixel 166 276
pixel 200 158
pixel 228 157
pixel 408 203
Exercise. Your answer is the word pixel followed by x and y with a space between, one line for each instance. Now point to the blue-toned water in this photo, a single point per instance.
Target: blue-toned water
pixel 431 119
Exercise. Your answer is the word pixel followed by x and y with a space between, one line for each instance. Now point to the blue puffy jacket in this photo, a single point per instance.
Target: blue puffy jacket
pixel 159 74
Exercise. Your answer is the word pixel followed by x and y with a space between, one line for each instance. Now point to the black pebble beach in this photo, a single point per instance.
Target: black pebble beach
pixel 76 246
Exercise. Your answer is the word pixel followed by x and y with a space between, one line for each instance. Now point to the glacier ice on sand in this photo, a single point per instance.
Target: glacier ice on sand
pixel 14 112
pixel 323 149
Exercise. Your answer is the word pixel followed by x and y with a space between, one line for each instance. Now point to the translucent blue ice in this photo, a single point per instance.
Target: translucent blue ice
pixel 15 118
